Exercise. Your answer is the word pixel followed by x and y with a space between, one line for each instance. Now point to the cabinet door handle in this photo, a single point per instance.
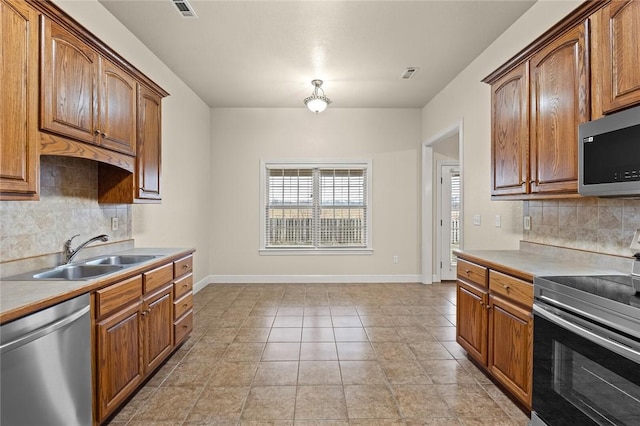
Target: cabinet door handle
pixel 97 131
pixel 104 135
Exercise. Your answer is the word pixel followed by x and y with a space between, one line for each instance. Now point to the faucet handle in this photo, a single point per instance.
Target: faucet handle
pixel 70 239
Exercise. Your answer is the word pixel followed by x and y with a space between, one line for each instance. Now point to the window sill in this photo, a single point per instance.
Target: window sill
pixel 314 251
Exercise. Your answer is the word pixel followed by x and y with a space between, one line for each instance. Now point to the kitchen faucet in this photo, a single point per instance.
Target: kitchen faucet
pixel 69 254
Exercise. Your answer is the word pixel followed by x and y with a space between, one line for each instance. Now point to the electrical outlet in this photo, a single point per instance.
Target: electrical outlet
pixel 395 259
pixel 527 223
pixel 635 243
pixel 476 219
pixel 498 221
pixel 114 223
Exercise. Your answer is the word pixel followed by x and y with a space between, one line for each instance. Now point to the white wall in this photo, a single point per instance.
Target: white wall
pixel 244 136
pixel 468 98
pixel 182 220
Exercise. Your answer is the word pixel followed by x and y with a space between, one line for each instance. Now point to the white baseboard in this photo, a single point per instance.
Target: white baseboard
pixel 202 284
pixel 304 279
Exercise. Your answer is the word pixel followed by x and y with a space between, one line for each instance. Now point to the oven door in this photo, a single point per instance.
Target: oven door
pixel 583 374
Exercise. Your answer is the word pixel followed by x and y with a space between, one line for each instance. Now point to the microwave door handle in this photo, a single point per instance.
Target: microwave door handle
pixel 612 345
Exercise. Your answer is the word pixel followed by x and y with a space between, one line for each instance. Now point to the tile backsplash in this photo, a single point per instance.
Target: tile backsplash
pixel 599 225
pixel 68 205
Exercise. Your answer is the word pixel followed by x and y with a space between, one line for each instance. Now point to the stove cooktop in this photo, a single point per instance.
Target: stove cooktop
pixel 618 288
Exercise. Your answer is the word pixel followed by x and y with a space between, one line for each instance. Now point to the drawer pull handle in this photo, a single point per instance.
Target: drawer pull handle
pixel 185 326
pixel 185 266
pixel 468 271
pixel 185 285
pixel 506 287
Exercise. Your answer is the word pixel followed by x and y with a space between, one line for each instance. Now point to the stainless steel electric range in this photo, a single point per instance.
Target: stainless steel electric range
pixel 586 351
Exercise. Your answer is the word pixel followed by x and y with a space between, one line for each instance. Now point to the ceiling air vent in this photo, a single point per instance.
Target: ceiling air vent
pixel 409 72
pixel 185 8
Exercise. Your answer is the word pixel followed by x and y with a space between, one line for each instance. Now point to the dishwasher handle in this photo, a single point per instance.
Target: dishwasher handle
pixel 43 331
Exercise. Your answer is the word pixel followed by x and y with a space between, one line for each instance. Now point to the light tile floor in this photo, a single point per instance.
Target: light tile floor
pixel 321 354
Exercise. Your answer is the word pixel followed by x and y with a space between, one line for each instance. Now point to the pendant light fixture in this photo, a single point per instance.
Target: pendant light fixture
pixel 316 102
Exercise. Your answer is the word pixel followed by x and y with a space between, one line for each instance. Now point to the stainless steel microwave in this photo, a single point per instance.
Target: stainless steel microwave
pixel 609 155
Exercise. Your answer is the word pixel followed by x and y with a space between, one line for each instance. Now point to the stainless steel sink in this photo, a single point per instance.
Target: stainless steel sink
pixel 86 269
pixel 76 272
pixel 124 259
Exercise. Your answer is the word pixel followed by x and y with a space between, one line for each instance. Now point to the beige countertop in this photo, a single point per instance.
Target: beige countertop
pixel 526 265
pixel 19 298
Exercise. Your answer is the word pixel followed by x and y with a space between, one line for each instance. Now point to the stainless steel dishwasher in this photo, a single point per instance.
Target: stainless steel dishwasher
pixel 45 367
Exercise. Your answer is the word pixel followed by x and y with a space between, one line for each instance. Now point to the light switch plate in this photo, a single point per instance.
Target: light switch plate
pixel 635 243
pixel 114 223
pixel 527 223
pixel 498 221
pixel 476 219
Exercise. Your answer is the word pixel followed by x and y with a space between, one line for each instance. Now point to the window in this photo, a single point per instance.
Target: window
pixel 315 206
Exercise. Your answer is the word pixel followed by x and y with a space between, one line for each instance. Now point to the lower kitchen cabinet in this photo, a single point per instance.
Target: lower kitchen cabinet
pixel 119 368
pixel 157 319
pixel 510 354
pixel 183 296
pixel 494 325
pixel 137 326
pixel 471 321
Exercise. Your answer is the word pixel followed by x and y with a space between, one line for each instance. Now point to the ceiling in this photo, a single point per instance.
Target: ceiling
pixel 265 53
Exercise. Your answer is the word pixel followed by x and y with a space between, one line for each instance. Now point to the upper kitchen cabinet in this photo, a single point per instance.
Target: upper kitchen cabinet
pixel 148 159
pixel 65 92
pixel 85 96
pixel 510 132
pixel 143 186
pixel 615 53
pixel 559 102
pixel 539 97
pixel 19 138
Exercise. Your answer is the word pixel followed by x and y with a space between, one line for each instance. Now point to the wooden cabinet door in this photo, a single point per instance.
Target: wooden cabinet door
pixel 19 139
pixel 620 52
pixel 511 347
pixel 69 79
pixel 471 321
pixel 119 362
pixel 510 133
pixel 148 159
pixel 559 102
pixel 117 109
pixel 158 327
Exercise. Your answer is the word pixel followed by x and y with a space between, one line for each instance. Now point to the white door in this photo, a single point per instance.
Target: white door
pixel 450 220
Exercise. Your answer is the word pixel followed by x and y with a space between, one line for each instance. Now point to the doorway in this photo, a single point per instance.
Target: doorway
pixel 449 218
pixel 442 204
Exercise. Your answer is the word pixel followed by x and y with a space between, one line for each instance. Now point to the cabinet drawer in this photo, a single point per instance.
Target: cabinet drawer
pixel 183 305
pixel 183 286
pixel 183 266
pixel 118 295
pixel 515 289
pixel 183 327
pixel 473 273
pixel 157 277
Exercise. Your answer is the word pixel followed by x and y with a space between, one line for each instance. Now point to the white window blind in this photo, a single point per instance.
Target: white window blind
pixel 315 207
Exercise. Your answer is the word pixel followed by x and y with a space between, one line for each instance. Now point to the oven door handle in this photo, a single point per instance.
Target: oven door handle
pixel 610 344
